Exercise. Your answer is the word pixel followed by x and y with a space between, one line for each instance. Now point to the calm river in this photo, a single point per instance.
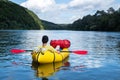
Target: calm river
pixel 101 63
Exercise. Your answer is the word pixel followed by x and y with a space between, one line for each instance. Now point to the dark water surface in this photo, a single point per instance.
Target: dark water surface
pixel 101 63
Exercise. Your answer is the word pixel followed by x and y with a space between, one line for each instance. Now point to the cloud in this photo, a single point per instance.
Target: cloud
pixel 89 4
pixel 66 12
pixel 39 5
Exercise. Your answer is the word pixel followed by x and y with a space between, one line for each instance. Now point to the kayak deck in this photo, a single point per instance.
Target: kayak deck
pixel 50 57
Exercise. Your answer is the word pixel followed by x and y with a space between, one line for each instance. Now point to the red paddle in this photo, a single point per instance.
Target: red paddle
pixel 82 52
pixel 18 51
pixel 79 52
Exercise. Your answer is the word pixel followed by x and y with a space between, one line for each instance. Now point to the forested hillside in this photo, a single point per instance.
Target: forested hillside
pixel 53 26
pixel 100 21
pixel 13 16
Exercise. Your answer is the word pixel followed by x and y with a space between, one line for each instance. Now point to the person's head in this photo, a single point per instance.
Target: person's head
pixel 45 39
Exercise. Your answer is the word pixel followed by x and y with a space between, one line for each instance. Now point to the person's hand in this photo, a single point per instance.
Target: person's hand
pixel 58 52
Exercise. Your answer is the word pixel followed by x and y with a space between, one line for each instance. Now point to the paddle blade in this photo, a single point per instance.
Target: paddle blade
pixel 17 51
pixel 81 52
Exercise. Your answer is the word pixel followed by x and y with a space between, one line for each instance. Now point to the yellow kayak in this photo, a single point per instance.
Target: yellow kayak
pixel 50 57
pixel 49 69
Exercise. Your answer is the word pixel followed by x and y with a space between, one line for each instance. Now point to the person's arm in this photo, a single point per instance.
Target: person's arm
pixel 37 49
pixel 53 50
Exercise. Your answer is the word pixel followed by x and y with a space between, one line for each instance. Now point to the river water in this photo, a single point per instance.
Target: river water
pixel 101 63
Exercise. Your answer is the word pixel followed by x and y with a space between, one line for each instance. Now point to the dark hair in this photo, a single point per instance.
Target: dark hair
pixel 45 39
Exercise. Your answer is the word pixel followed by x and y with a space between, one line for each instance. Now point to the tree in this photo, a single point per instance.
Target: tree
pixel 111 10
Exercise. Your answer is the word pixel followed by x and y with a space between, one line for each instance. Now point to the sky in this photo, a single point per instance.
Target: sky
pixel 66 11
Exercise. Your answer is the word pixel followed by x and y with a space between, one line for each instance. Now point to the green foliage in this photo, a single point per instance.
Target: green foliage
pixel 100 21
pixel 13 16
pixel 51 26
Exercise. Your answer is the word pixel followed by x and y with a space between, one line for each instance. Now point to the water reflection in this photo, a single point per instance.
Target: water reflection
pixel 9 39
pixel 46 70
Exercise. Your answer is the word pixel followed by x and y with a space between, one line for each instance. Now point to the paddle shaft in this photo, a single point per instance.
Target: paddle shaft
pixel 17 51
pixel 67 51
pixel 81 52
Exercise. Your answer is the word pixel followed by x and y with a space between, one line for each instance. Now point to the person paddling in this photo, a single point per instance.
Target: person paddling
pixel 45 47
